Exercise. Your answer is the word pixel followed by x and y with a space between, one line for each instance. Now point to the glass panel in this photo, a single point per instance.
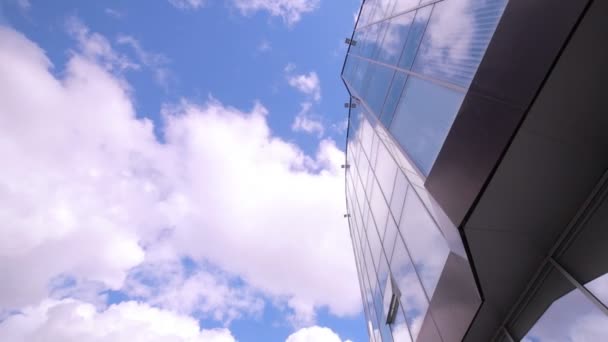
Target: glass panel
pixel 567 315
pixel 404 5
pixel 394 38
pixel 599 288
pixel 366 10
pixel 378 87
pixel 383 275
pixel 379 209
pixel 369 265
pixel 423 118
pixel 456 39
pixel 413 299
pixel 372 39
pixel 399 328
pixel 386 168
pixel 374 154
pixel 398 198
pixel 373 318
pixel 366 136
pixel 392 98
pixel 415 37
pixel 428 248
pixel 390 236
pixel 374 242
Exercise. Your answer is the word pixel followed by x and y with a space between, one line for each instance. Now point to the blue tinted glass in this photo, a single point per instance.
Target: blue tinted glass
pixel 394 38
pixel 415 36
pixel 452 49
pixel 373 39
pixel 423 118
pixel 428 249
pixel 386 168
pixel 392 98
pixel 413 299
pixel 378 86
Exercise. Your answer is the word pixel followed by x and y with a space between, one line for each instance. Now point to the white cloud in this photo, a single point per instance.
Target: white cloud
pixel 198 292
pixel 187 4
pixel 96 47
pixel 89 193
pixel 304 122
pixel 114 13
pixel 155 61
pixel 314 334
pixel 308 84
pixel 290 11
pixel 341 126
pixel 74 321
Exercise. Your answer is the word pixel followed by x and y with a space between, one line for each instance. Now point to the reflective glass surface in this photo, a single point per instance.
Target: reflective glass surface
pixel 413 299
pixel 396 233
pixel 456 39
pixel 414 38
pixel 599 288
pixel 428 248
pixel 392 98
pixel 408 74
pixel 396 33
pixel 423 119
pixel 405 5
pixel 569 315
pixel 400 329
pixel 406 42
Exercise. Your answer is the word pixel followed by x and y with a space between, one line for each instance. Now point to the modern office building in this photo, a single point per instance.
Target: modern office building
pixel 476 169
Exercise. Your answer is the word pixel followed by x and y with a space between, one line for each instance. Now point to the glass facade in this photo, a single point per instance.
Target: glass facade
pixel 409 51
pixel 406 53
pixel 408 74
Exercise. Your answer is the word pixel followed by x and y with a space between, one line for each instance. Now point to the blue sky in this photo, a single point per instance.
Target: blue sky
pixel 175 167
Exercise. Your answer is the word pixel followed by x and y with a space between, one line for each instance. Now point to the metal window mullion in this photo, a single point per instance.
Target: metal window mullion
pixel 413 73
pixel 399 147
pixel 417 7
pixel 508 334
pixel 580 286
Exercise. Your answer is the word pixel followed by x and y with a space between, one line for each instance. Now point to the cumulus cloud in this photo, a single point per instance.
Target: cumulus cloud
pixel 290 11
pixel 199 292
pixel 308 84
pixel 187 4
pixel 88 192
pixel 74 321
pixel 314 334
pixel 304 122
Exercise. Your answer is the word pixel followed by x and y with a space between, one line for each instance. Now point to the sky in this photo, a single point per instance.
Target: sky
pixel 172 171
